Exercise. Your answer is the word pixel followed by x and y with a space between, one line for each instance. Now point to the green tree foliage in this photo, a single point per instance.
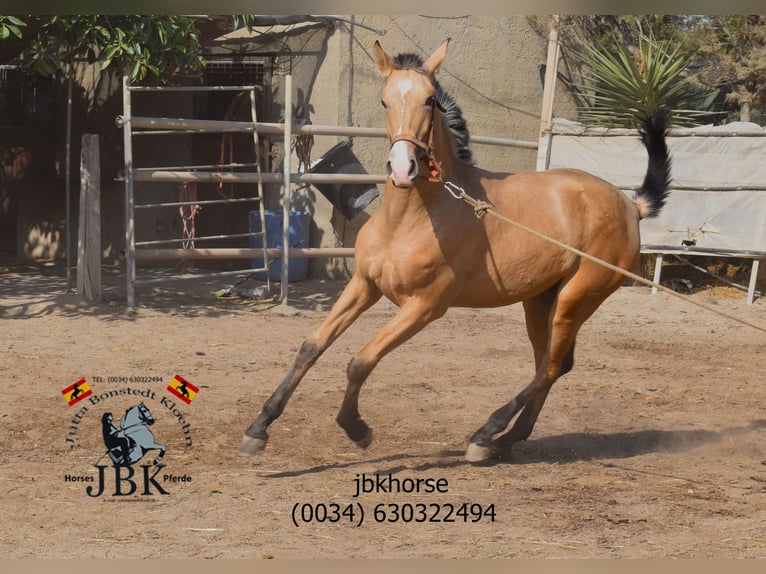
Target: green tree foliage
pixel 146 48
pixel 731 51
pixel 10 25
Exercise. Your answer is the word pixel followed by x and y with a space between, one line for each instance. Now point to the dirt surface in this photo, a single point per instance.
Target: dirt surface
pixel 652 447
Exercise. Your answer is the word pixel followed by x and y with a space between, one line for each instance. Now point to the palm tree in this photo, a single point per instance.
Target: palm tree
pixel 625 86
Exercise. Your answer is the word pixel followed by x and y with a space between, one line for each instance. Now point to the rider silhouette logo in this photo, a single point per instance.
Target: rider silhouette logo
pixel 76 392
pixel 128 443
pixel 183 389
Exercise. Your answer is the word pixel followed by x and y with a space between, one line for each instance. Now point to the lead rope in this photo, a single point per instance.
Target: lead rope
pixel 481 208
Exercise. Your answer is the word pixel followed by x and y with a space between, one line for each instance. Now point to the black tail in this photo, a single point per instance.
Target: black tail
pixel 651 197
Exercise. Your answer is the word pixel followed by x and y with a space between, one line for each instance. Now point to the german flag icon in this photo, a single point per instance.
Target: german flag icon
pixel 183 389
pixel 76 392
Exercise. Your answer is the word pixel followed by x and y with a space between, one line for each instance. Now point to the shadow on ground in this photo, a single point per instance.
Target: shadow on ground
pixel 559 449
pixel 35 289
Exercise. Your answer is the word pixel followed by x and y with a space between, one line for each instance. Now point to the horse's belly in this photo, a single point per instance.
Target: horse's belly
pixel 505 282
pixel 483 293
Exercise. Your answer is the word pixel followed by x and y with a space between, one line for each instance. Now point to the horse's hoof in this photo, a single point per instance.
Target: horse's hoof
pixel 251 446
pixel 365 441
pixel 477 453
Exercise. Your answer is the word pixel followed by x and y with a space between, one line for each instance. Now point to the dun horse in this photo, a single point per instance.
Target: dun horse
pixel 426 251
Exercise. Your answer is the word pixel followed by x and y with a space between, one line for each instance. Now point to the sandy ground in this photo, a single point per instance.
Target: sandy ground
pixel 652 447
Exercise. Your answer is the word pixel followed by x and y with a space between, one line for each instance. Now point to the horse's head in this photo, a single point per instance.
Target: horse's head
pixel 409 97
pixel 144 414
pixel 139 413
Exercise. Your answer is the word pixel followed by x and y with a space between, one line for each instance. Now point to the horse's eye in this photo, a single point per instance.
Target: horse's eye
pixel 431 101
pixel 383 104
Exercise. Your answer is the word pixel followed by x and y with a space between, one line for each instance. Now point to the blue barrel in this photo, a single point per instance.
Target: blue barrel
pixel 298 267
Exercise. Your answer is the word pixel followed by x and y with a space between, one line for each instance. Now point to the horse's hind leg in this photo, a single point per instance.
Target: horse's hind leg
pixel 576 302
pixel 358 296
pixel 525 423
pixel 539 316
pixel 411 318
pixel 161 454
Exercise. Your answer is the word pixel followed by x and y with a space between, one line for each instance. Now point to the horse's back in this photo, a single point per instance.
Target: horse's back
pixel 580 205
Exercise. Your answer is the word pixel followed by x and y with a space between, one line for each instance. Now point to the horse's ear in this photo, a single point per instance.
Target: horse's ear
pixel 436 59
pixel 382 60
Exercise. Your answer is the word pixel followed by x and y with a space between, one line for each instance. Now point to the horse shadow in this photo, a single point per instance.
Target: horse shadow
pixel 555 449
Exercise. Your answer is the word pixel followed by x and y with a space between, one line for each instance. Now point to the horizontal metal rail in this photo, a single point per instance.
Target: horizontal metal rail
pixel 241 253
pixel 253 177
pixel 702 251
pixel 195 239
pixel 145 122
pixel 194 88
pixel 201 202
pixel 164 176
pixel 506 142
pixel 722 188
pixel 216 166
pixel 671 134
pixel 202 126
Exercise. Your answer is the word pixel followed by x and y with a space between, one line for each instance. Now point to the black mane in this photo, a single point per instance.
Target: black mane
pixel 453 115
pixel 408 61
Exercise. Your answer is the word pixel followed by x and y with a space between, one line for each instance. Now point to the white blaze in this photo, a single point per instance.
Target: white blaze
pixel 404 88
pixel 399 157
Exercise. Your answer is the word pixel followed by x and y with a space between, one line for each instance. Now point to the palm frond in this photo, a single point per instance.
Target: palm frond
pixel 624 88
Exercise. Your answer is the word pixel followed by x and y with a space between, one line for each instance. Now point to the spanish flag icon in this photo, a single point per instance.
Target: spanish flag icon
pixel 183 389
pixel 76 392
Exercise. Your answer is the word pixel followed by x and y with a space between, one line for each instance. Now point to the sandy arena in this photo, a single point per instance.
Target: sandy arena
pixel 652 447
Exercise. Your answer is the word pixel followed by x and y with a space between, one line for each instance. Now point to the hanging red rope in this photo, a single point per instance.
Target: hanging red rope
pixel 187 195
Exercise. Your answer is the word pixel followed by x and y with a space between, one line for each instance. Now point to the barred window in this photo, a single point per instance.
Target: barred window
pixel 240 71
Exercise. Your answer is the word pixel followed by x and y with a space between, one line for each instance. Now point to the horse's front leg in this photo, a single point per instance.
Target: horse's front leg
pixel 412 317
pixel 358 296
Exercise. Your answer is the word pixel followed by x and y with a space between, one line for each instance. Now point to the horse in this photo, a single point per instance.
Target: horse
pixel 427 252
pixel 128 444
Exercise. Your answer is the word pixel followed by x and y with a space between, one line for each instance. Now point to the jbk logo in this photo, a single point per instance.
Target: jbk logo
pixel 131 462
pixel 125 446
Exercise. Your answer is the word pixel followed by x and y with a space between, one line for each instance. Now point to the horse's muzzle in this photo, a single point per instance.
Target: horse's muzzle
pixel 404 181
pixel 402 165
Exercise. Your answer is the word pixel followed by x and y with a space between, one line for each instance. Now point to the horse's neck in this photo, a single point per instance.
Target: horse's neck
pixel 452 168
pixel 404 207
